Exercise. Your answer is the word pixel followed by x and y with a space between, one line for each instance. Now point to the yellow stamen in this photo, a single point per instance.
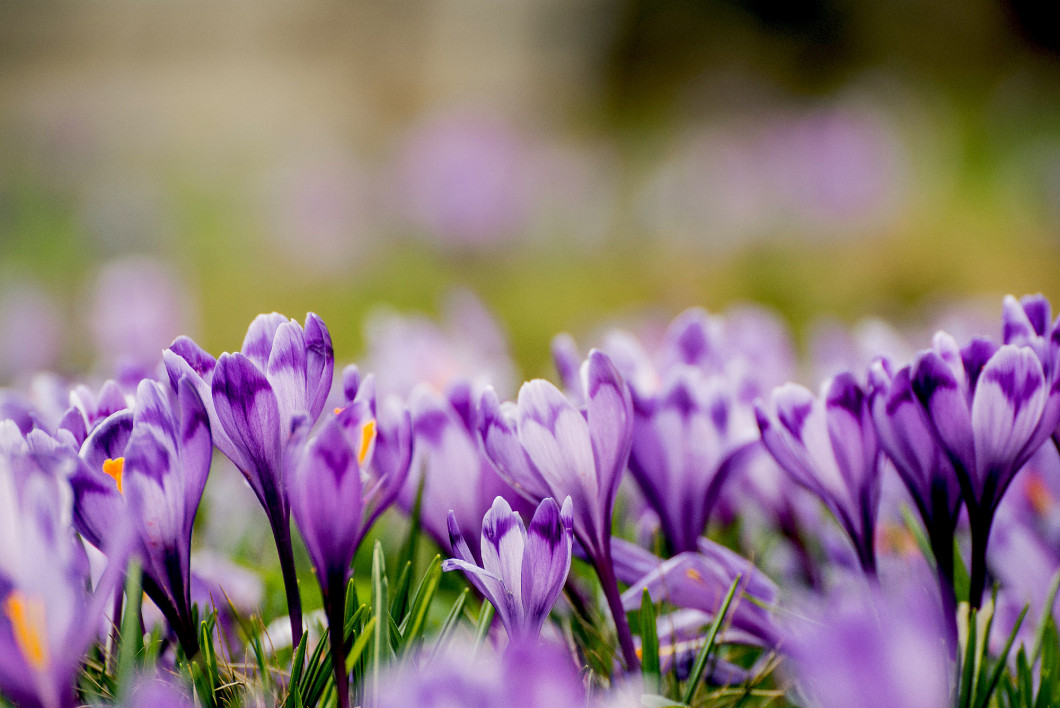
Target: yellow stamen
pixel 27 624
pixel 367 441
pixel 114 469
pixel 693 574
pixel 339 410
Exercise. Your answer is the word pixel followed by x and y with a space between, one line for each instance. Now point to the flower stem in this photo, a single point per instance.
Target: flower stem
pixel 282 533
pixel 335 602
pixel 605 571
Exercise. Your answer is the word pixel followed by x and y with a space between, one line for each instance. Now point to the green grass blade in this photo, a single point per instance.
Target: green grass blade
pixel 451 620
pixel 413 624
pixel 485 619
pixel 712 634
pixel 649 645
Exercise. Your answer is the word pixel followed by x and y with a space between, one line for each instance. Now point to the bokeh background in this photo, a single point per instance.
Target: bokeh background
pixel 172 168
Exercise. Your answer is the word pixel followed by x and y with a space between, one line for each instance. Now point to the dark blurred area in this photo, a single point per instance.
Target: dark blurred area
pixel 564 160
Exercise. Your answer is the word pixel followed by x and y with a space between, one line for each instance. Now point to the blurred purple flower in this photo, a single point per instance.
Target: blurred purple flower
pixel 31 329
pixel 464 179
pixel 528 675
pixel 129 333
pixel 688 438
pixel 456 474
pixel 700 579
pixel 522 572
pixel 469 345
pixel 47 616
pixel 877 646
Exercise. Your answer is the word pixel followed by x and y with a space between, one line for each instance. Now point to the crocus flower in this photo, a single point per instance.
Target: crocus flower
pixel 449 462
pixel 874 647
pixel 527 675
pixel 522 572
pixel 687 440
pixel 253 398
pixel 544 446
pixel 904 434
pixel 699 580
pixel 151 464
pixel 828 445
pixel 47 617
pixel 339 483
pixel 990 408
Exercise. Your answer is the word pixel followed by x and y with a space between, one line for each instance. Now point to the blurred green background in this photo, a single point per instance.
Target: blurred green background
pixel 195 164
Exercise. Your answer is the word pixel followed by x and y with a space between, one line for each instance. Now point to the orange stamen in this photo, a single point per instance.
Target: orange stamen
pixel 114 469
pixel 367 441
pixel 28 626
pixel 1038 494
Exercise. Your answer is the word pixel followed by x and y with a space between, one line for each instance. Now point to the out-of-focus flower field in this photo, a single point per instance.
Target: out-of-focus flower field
pixel 658 353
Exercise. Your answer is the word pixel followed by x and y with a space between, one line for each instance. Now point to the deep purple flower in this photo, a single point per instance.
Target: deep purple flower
pixel 828 445
pixel 904 434
pixel 455 472
pixel 338 484
pixel 254 398
pixel 990 409
pixel 544 446
pixel 522 572
pixel 687 440
pixel 151 464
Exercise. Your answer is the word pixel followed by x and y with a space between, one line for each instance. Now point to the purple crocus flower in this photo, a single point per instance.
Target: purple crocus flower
pixel 904 434
pixel 151 464
pixel 456 474
pixel 874 647
pixel 527 675
pixel 253 398
pixel 828 445
pixel 687 440
pixel 47 617
pixel 699 581
pixel 990 409
pixel 522 572
pixel 339 483
pixel 544 446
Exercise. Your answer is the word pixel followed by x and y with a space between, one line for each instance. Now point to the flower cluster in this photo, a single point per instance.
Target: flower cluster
pixel 672 520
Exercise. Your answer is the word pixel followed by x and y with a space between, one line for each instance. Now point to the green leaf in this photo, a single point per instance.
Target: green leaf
pixel 991 683
pixel 653 701
pixel 968 665
pixel 704 653
pixel 451 620
pixel 131 634
pixel 413 623
pixel 399 602
pixel 649 644
pixel 381 647
pixel 485 619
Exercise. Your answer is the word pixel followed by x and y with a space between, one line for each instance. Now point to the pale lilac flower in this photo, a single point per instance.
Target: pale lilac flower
pixel 544 446
pixel 522 572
